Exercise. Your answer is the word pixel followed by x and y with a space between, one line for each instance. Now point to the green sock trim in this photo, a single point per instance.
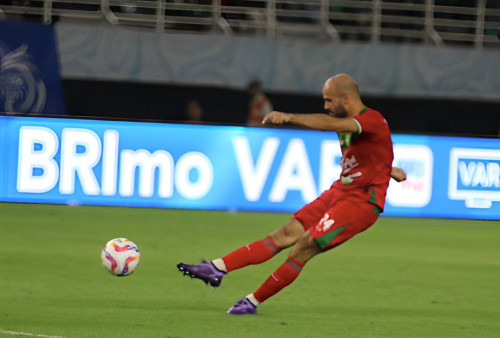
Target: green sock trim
pixel 293 265
pixel 270 245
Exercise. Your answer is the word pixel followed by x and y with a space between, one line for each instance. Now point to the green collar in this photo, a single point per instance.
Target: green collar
pixel 363 110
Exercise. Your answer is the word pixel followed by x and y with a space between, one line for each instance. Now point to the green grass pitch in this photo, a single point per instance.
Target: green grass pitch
pixel 404 277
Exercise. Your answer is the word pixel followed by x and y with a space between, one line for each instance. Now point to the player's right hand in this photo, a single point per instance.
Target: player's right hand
pixel 398 174
pixel 276 117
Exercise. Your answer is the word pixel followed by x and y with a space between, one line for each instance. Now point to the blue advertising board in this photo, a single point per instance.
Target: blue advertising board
pixel 29 69
pixel 70 161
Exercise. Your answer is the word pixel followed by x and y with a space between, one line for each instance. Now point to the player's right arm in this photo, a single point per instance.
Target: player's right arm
pixel 314 121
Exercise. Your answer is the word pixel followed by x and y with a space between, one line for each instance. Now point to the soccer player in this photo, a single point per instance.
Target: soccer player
pixel 351 205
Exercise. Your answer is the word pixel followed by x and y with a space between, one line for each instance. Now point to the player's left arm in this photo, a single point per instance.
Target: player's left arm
pixel 398 174
pixel 314 121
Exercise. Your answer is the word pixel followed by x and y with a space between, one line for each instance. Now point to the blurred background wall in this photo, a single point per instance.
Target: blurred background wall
pixel 430 66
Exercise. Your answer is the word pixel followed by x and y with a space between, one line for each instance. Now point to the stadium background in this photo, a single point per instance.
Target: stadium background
pixel 443 77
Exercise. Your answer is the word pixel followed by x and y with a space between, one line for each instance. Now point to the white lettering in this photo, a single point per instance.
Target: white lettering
pixel 109 162
pixel 477 173
pixel 193 161
pixel 147 164
pixel 466 172
pixel 80 152
pixel 30 159
pixel 254 176
pixel 493 170
pixel 294 174
pixel 329 170
pixel 349 163
pixel 480 177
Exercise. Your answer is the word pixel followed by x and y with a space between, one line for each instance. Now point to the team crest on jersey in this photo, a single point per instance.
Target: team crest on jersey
pixel 345 140
pixel 325 223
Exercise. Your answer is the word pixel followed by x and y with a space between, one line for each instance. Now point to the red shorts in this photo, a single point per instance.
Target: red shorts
pixel 336 215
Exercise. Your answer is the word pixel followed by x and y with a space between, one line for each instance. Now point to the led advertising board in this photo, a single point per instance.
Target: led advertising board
pixel 70 161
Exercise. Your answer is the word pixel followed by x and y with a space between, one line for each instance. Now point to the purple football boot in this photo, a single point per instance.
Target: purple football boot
pixel 205 271
pixel 243 307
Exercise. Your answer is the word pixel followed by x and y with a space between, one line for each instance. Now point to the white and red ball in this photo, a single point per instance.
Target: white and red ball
pixel 120 256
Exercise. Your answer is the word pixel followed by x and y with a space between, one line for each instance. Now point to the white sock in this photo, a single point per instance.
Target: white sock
pixel 252 299
pixel 219 264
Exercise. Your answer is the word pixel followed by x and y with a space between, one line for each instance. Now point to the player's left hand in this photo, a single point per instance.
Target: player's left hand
pixel 398 174
pixel 276 117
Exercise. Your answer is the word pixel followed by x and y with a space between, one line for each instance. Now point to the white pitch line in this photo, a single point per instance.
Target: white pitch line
pixel 17 333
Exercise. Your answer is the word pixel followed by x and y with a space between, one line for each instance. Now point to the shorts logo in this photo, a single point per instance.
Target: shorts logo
pixel 325 223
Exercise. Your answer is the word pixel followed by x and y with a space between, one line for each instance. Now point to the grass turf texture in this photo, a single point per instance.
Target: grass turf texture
pixel 401 278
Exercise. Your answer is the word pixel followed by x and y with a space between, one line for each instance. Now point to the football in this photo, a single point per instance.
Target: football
pixel 120 256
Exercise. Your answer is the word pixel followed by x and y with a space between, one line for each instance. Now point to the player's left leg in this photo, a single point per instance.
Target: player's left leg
pixel 303 251
pixel 340 223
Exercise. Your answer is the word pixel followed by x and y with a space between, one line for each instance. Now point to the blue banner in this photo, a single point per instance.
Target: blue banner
pixel 29 69
pixel 45 160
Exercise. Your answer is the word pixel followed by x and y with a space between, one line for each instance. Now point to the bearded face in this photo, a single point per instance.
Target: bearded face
pixel 339 110
pixel 334 107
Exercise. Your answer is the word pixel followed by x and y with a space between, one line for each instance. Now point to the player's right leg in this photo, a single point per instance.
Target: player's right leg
pixel 250 254
pixel 303 251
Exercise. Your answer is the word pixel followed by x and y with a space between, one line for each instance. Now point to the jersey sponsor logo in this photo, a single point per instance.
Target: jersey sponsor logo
pixel 346 180
pixel 349 163
pixel 346 139
pixel 417 162
pixel 474 176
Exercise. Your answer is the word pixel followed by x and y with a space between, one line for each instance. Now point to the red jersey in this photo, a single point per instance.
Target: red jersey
pixel 367 157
